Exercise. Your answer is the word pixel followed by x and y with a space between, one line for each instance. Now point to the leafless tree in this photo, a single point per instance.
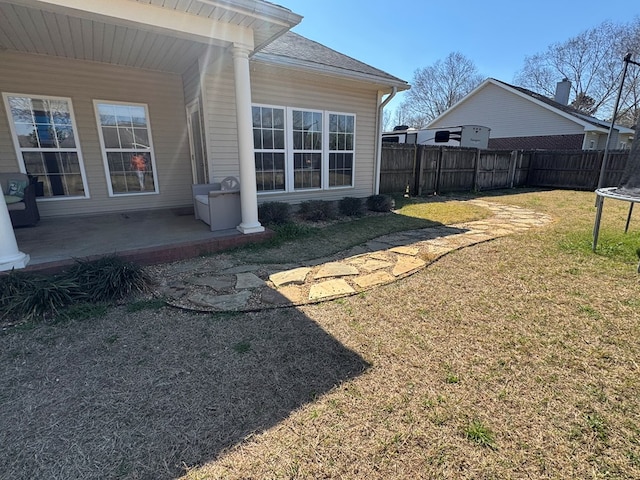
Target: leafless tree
pixel 592 61
pixel 629 109
pixel 386 120
pixel 436 88
pixel 399 116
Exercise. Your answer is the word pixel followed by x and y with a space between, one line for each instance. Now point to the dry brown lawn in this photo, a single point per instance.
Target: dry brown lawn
pixel 517 358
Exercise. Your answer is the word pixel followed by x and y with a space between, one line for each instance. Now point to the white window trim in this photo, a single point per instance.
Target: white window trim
pixel 105 162
pixel 289 151
pixel 19 150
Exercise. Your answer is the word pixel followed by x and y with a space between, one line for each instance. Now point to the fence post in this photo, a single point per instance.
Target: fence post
pixel 436 187
pixel 415 169
pixel 512 167
pixel 476 170
pixel 599 173
pixel 420 170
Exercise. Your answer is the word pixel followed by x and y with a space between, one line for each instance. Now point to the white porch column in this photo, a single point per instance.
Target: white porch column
pixel 10 256
pixel 248 190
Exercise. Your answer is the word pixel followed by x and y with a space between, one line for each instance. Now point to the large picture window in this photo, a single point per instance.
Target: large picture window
pixel 127 148
pixel 45 138
pixel 298 149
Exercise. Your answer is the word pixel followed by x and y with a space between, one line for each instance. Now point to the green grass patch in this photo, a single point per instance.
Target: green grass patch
pixel 303 242
pixel 83 311
pixel 147 304
pixel 242 347
pixel 444 212
pixel 613 245
pixel 479 434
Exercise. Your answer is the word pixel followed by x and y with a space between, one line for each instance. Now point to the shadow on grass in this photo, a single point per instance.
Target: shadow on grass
pixel 151 393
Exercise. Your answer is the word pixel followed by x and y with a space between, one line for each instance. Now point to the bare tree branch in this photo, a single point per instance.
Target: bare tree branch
pixel 436 88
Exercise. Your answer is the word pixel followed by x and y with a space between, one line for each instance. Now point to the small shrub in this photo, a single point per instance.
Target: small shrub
pixel 108 278
pixel 274 213
pixel 351 207
pixel 380 203
pixel 317 210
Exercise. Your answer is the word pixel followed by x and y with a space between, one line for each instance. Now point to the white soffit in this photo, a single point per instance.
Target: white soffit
pixel 165 35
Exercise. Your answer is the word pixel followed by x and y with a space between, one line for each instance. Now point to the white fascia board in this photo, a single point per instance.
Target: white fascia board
pixel 605 125
pixel 594 128
pixel 268 12
pixel 151 18
pixel 328 70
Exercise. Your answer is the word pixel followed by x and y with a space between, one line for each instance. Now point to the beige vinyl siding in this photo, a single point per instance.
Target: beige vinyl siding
pixel 220 121
pixel 84 82
pixel 283 87
pixel 508 115
pixel 191 83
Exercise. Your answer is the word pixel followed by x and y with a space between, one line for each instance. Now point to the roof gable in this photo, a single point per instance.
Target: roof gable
pixel 589 123
pixel 295 50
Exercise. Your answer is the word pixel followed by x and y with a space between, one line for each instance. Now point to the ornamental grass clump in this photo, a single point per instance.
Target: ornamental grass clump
pixel 109 278
pixel 29 296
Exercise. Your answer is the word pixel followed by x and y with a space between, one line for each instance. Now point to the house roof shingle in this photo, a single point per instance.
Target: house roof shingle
pixel 299 49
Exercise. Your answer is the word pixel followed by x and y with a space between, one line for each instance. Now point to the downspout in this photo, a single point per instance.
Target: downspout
pixel 376 185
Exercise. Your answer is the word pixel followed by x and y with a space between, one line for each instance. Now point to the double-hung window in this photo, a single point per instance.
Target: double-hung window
pixel 269 143
pixel 341 149
pixel 307 149
pixel 46 140
pixel 125 135
pixel 300 149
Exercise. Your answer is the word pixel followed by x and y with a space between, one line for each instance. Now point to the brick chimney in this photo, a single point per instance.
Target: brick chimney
pixel 563 89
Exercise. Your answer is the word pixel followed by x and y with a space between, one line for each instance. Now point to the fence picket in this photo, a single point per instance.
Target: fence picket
pixel 430 169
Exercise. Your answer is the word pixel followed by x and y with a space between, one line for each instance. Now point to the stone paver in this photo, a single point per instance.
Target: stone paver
pixel 335 269
pixel 248 280
pixel 329 289
pixel 374 263
pixel 406 265
pixel 405 250
pixel 288 277
pixel 373 279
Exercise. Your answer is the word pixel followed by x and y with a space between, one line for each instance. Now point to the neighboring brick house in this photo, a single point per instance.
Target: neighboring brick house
pixel 522 119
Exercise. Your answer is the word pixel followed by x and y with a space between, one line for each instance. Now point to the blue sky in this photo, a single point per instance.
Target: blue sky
pixel 401 36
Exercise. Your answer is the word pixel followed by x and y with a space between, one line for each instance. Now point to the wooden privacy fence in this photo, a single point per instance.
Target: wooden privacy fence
pixel 425 169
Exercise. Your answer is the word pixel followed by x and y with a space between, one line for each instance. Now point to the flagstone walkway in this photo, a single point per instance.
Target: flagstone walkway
pixel 219 283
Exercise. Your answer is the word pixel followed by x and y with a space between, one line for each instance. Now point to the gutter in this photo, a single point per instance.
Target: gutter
pixel 376 174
